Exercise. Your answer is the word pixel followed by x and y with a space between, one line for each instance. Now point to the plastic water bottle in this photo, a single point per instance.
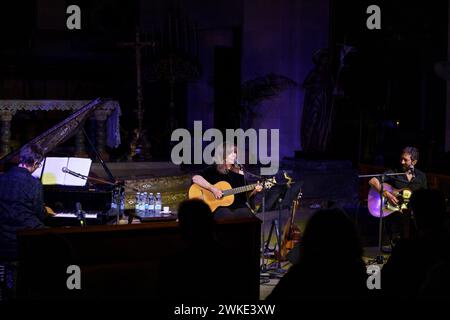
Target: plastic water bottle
pixel 122 204
pixel 114 201
pixel 158 203
pixel 151 203
pixel 144 203
pixel 139 203
pixel 136 202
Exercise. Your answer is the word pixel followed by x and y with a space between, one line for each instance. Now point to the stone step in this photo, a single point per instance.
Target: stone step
pixel 164 177
pixel 173 189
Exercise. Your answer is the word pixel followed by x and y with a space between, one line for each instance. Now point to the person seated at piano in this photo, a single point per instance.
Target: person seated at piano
pixel 21 203
pixel 399 225
pixel 226 169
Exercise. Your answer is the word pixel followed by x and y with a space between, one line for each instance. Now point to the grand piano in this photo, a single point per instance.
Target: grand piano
pixel 97 202
pixel 120 261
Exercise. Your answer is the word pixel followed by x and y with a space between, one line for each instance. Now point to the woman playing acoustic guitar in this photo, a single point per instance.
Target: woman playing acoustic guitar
pixel 222 173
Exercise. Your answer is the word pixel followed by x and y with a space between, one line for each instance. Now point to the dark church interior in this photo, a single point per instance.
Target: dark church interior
pixel 341 151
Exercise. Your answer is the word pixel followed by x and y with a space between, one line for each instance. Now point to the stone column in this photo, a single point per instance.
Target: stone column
pixel 100 117
pixel 5 132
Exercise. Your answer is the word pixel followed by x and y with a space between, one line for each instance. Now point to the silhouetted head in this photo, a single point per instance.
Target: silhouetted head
pixel 429 209
pixel 330 233
pixel 196 220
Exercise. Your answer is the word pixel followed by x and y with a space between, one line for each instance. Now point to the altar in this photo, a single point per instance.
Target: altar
pixel 106 116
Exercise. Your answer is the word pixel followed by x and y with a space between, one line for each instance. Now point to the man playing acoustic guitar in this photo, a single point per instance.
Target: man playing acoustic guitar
pixel 226 170
pixel 397 224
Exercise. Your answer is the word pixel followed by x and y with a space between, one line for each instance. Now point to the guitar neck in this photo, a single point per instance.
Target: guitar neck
pixel 246 188
pixel 294 209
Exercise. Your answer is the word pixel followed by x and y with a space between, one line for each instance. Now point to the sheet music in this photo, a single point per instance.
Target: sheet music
pixel 52 170
pixel 79 165
pixel 37 173
pixel 53 174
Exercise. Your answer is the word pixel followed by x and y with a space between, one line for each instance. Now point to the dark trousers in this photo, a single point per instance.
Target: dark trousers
pixel 399 225
pixel 223 213
pixel 8 272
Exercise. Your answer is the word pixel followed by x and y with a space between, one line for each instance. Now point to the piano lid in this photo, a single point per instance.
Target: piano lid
pixel 58 134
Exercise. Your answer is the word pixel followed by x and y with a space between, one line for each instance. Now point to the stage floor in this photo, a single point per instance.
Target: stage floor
pixel 267 284
pixel 174 182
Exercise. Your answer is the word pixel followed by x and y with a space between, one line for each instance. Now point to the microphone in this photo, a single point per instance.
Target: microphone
pixel 412 171
pixel 80 214
pixel 78 207
pixel 76 174
pixel 238 165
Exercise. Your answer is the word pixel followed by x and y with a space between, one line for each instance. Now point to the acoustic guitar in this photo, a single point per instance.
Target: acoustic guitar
pixel 49 211
pixel 373 201
pixel 291 233
pixel 197 192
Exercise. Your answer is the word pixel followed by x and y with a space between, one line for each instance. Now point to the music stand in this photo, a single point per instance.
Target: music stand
pixel 276 224
pixel 380 258
pixel 263 267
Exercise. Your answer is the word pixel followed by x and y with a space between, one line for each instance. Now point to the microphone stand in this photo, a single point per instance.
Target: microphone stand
pixel 82 176
pixel 118 192
pixel 380 258
pixel 278 271
pixel 81 215
pixel 118 189
pixel 263 266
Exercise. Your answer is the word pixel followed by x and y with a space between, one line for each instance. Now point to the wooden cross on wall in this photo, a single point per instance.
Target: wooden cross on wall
pixel 138 45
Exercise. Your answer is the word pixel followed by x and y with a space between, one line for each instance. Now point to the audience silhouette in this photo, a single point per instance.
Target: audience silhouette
pixel 420 267
pixel 330 262
pixel 199 271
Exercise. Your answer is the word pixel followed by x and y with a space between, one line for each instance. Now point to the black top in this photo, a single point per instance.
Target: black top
pixel 401 182
pixel 21 207
pixel 234 179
